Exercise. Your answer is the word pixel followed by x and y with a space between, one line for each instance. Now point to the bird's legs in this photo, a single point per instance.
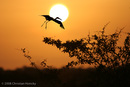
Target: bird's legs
pixel 46 24
pixel 43 23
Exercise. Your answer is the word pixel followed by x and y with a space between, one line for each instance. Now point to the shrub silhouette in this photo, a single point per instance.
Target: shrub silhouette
pixel 26 54
pixel 99 49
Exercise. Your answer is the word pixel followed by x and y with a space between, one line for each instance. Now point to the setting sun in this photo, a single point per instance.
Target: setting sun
pixel 60 11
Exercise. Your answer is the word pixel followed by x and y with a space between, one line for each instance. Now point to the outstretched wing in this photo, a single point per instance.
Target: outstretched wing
pixel 47 17
pixel 59 22
pixel 61 25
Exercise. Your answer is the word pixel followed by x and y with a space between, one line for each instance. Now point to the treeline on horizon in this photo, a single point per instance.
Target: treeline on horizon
pixel 72 77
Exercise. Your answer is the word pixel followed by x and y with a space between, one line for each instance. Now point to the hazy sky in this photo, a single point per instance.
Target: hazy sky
pixel 20 26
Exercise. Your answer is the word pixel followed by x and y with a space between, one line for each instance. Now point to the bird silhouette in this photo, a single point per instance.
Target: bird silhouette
pixel 48 18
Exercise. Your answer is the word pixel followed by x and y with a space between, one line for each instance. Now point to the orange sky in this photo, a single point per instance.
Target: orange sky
pixel 20 26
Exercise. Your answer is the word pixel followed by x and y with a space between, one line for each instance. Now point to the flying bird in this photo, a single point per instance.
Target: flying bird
pixel 48 18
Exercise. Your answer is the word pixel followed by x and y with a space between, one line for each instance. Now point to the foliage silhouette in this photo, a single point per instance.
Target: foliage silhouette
pixel 26 54
pixel 99 49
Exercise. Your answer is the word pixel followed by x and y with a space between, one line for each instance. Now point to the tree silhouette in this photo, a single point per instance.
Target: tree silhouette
pixel 99 49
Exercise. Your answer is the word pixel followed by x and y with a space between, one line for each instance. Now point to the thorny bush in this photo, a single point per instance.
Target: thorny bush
pixel 99 49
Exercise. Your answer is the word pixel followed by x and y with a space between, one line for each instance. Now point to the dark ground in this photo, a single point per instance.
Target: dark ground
pixel 30 77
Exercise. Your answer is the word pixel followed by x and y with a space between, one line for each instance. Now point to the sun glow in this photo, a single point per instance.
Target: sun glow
pixel 60 11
